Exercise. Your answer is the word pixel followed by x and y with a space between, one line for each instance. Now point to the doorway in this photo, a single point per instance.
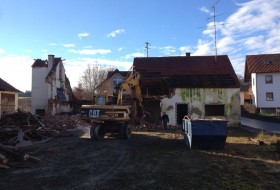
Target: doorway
pixel 182 109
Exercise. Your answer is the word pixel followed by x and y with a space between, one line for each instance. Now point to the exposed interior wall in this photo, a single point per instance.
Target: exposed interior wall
pixel 59 106
pixel 197 98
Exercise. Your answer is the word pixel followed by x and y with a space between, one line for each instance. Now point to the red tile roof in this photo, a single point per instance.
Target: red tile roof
pixel 4 86
pixel 186 72
pixel 262 63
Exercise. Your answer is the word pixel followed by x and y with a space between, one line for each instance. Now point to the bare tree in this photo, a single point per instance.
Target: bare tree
pixel 92 78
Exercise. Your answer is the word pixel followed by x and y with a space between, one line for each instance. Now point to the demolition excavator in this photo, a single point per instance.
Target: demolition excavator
pixel 109 116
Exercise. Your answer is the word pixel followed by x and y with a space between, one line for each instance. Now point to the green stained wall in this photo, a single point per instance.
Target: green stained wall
pixel 197 98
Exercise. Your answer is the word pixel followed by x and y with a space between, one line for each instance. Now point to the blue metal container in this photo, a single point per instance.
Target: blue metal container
pixel 204 133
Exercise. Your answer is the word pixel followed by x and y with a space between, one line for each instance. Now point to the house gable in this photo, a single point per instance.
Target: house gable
pixel 262 63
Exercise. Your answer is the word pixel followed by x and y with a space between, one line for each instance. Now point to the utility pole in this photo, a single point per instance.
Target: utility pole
pixel 147 47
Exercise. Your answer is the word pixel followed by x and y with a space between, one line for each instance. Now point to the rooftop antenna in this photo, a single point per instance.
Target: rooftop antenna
pixel 147 47
pixel 214 18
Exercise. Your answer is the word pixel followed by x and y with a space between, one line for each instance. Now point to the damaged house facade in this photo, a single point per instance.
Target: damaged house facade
pixel 8 98
pixel 263 72
pixel 51 89
pixel 196 86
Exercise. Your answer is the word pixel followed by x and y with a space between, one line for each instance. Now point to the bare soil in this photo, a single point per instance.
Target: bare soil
pixel 150 160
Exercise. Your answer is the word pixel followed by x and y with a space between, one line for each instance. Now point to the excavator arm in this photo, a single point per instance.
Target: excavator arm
pixel 132 84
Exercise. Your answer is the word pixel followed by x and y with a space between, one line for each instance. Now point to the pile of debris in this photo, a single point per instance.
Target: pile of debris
pixel 22 129
pixel 149 126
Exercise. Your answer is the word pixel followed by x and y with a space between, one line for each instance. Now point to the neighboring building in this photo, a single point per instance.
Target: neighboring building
pixel 8 98
pixel 24 104
pixel 245 93
pixel 51 89
pixel 197 86
pixel 114 78
pixel 263 71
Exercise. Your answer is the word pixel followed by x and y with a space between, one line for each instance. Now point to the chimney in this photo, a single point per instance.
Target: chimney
pixel 50 61
pixel 188 54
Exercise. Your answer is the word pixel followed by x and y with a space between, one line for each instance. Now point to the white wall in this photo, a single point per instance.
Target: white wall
pixel 39 95
pixel 262 88
pixel 199 97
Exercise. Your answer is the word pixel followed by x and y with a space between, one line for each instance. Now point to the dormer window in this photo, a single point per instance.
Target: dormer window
pixel 117 80
pixel 267 62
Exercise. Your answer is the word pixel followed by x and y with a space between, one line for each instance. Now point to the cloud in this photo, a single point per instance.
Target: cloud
pixel 91 51
pixel 205 10
pixel 115 33
pixel 16 70
pixel 120 49
pixel 69 45
pixel 252 29
pixel 168 50
pixel 185 49
pixel 75 68
pixel 132 55
pixel 52 44
pixel 204 48
pixel 2 51
pixel 83 35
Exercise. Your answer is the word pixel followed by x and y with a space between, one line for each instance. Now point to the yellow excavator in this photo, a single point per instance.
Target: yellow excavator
pixel 114 117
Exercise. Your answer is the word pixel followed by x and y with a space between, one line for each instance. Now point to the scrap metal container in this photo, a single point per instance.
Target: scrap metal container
pixel 204 133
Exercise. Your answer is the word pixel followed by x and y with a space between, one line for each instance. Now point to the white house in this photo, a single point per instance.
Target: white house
pixel 8 98
pixel 197 86
pixel 263 71
pixel 51 89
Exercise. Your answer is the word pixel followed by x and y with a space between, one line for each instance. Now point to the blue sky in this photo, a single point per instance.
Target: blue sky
pixel 113 32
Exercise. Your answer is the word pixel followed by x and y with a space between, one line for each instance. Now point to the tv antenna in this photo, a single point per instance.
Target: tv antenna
pixel 147 48
pixel 215 30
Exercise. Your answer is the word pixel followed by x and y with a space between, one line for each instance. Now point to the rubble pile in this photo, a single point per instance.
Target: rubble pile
pixel 22 129
pixel 149 126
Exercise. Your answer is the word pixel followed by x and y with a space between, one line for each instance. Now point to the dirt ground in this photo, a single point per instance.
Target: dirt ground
pixel 150 160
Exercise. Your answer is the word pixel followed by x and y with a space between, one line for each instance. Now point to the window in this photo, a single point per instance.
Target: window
pixel 268 79
pixel 269 96
pixel 117 80
pixel 214 110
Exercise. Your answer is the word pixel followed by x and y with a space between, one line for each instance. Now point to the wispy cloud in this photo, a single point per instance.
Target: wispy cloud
pixel 115 33
pixel 69 45
pixel 2 51
pixel 83 35
pixel 168 50
pixel 205 10
pixel 252 29
pixel 52 44
pixel 91 51
pixel 132 55
pixel 120 49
